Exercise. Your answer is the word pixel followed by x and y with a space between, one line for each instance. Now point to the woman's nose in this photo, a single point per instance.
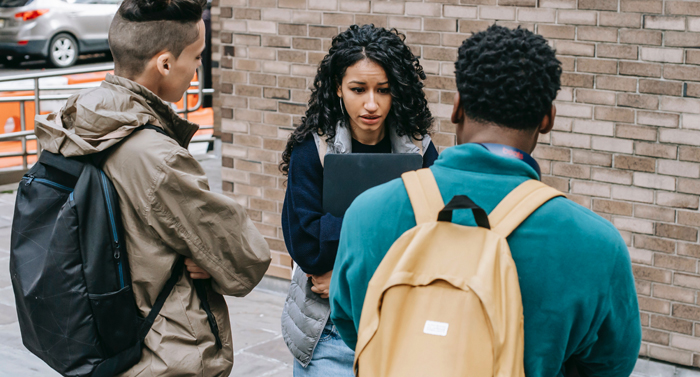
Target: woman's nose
pixel 371 104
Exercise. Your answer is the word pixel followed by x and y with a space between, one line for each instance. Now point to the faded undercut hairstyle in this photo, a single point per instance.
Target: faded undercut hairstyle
pixel 143 28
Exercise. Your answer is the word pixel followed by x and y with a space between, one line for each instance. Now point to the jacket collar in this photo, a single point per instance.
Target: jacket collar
pixel 175 126
pixel 342 142
pixel 475 158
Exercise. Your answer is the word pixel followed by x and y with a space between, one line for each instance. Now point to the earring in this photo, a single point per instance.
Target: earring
pixel 342 105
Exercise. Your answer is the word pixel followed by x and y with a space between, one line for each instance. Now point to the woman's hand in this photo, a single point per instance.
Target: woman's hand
pixel 195 271
pixel 322 283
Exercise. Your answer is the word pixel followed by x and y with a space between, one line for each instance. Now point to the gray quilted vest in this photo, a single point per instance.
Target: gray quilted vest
pixel 305 313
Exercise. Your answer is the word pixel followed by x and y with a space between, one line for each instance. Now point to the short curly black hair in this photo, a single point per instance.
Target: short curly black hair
pixel 409 114
pixel 508 77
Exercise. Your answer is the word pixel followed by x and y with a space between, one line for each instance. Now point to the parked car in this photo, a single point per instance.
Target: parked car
pixel 55 30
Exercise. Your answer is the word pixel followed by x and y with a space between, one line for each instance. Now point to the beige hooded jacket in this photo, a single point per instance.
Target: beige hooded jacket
pixel 167 211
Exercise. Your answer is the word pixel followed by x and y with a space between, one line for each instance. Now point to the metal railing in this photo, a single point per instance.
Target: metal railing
pixel 9 175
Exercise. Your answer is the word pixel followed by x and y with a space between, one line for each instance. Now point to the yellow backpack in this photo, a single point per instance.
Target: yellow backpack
pixel 445 301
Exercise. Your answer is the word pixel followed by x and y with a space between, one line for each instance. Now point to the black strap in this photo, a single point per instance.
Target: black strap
pixel 162 296
pixel 463 202
pixel 201 288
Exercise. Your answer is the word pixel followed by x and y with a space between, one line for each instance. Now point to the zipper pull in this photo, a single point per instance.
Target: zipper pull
pixel 29 181
pixel 117 254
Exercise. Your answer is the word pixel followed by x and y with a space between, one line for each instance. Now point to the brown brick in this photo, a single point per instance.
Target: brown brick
pixel 630 20
pixel 653 336
pixel 655 213
pixel 681 39
pixel 577 80
pixel 692 57
pixel 683 8
pixel 423 38
pixel 652 274
pixel 595 97
pixel 686 312
pixel 642 6
pixel 691 250
pixel 598 4
pixel 655 244
pixel 626 84
pixel 692 90
pixel 670 199
pixel 598 34
pixel 614 114
pixel 597 66
pixel 669 88
pixel 655 150
pixel 635 163
pixel 440 53
pixel 678 264
pixel 574 48
pixel 577 17
pixel 654 305
pixel 657 119
pixel 664 22
pixel 592 158
pixel 552 153
pixel 440 24
pixel 291 29
pixel 689 154
pixel 556 31
pixel 617 51
pixel 246 14
pixel 571 170
pixel 225 12
pixel 627 131
pixel 669 354
pixel 637 101
pixel 677 232
pixel 671 324
pixel 612 207
pixel 689 186
pixel 643 287
pixel 292 108
pixel 470 26
pixel 439 82
pixel 306 43
pixel 642 37
pixel 685 280
pixel 291 56
pixel 675 72
pixel 640 69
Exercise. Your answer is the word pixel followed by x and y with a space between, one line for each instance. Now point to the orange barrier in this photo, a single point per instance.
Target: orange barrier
pixel 11 110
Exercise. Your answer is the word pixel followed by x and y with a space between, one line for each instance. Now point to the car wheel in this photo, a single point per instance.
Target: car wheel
pixel 63 51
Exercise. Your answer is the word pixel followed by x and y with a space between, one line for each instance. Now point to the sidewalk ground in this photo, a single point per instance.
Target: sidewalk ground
pixel 255 319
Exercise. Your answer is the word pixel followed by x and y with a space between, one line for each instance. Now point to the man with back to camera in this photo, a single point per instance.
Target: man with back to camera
pixel 167 208
pixel 578 294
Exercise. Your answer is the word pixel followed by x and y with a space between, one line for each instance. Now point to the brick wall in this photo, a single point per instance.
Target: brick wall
pixel 625 144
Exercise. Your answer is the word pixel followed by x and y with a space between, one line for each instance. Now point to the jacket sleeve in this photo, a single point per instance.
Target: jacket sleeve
pixel 311 235
pixel 615 348
pixel 210 228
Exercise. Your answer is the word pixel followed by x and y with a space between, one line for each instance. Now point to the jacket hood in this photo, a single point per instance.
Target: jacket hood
pixel 96 119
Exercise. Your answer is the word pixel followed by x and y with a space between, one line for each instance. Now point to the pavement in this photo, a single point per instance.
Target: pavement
pixel 255 319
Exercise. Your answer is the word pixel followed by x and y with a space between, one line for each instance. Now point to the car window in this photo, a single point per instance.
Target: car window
pixel 14 3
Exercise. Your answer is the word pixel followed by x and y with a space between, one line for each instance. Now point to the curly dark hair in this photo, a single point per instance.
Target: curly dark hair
pixel 409 114
pixel 508 77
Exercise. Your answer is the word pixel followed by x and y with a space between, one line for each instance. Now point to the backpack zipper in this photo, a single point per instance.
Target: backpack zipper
pixel 115 237
pixel 31 178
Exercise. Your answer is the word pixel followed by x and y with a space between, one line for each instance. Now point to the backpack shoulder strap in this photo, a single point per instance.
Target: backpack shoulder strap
pixel 519 205
pixel 175 275
pixel 424 194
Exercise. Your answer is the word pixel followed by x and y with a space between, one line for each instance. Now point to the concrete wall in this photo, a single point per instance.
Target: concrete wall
pixel 625 142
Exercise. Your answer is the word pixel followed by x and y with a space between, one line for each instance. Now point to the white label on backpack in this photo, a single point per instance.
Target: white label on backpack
pixel 436 328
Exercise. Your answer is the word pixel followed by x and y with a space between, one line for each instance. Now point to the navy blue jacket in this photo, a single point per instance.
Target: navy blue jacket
pixel 311 235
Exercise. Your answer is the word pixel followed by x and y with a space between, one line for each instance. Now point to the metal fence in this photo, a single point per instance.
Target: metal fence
pixel 14 174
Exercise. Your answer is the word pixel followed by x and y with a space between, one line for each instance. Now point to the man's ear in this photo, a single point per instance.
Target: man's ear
pixel 548 121
pixel 457 110
pixel 164 62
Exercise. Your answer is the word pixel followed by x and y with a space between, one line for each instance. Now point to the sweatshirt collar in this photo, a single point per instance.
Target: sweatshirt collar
pixel 475 158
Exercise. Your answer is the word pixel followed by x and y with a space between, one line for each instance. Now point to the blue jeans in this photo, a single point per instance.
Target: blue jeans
pixel 332 357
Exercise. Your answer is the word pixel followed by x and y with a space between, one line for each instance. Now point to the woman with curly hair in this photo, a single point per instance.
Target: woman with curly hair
pixel 367 98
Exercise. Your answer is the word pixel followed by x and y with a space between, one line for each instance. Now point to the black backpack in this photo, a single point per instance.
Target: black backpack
pixel 70 272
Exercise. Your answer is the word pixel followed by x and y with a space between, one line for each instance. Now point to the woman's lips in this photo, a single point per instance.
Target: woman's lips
pixel 373 119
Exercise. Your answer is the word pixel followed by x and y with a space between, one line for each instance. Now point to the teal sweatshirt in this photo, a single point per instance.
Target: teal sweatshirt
pixel 578 293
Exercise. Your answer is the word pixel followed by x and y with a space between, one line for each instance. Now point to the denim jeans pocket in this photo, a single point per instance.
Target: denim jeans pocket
pixel 327 334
